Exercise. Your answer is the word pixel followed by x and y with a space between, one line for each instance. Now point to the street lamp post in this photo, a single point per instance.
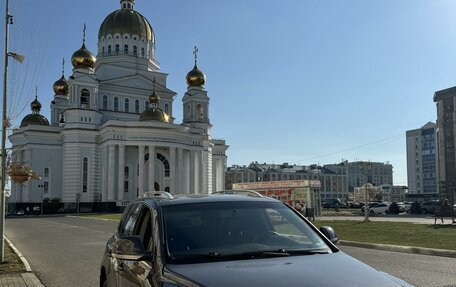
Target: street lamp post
pixel 20 58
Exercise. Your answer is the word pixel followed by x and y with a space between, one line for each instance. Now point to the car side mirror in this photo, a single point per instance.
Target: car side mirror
pixel 329 232
pixel 130 248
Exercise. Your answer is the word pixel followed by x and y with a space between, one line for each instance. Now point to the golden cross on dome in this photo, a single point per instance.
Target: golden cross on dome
pixel 195 53
pixel 36 92
pixel 63 67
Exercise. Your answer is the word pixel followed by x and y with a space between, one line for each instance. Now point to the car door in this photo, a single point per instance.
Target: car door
pixel 135 273
pixel 125 228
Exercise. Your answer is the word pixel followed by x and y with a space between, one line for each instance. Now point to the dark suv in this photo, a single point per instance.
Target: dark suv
pixel 227 240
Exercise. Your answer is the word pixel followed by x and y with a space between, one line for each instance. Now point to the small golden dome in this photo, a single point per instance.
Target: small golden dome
pixel 35 118
pixel 83 58
pixel 196 77
pixel 154 99
pixel 35 105
pixel 61 86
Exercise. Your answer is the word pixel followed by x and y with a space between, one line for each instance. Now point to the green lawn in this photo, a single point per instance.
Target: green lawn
pixel 12 263
pixel 395 233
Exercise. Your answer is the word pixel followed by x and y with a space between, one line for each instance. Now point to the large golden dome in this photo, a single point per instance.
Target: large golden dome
pixel 61 86
pixel 83 58
pixel 196 77
pixel 127 21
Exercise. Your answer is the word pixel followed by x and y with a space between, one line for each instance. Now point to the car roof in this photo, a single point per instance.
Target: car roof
pixel 179 199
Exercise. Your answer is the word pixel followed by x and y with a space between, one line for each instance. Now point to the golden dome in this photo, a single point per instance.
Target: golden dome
pixel 154 114
pixel 61 86
pixel 83 58
pixel 35 118
pixel 126 21
pixel 196 77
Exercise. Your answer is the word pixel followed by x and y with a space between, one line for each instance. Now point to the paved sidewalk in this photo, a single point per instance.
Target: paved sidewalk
pixel 26 279
pixel 20 280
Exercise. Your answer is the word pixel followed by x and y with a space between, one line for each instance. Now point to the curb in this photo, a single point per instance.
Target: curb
pixel 404 249
pixel 29 278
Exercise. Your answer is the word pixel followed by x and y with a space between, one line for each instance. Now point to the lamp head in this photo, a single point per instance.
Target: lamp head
pixel 18 57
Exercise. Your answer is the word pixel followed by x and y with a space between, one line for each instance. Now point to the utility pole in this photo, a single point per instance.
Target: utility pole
pixel 20 58
pixel 366 167
pixel 4 125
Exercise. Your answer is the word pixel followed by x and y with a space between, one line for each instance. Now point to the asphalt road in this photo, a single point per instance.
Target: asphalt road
pixel 62 251
pixel 66 251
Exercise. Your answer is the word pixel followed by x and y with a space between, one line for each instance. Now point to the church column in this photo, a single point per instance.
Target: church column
pixel 152 157
pixel 27 196
pixel 141 152
pixel 111 165
pixel 201 171
pixel 19 196
pixel 121 178
pixel 186 173
pixel 180 170
pixel 104 173
pixel 194 173
pixel 172 169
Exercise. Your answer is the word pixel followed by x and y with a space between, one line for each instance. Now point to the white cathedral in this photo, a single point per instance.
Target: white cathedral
pixel 112 135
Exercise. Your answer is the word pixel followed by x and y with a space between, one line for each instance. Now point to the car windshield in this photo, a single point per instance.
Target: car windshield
pixel 237 230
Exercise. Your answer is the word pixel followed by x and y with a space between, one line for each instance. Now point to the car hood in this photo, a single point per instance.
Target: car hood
pixel 322 270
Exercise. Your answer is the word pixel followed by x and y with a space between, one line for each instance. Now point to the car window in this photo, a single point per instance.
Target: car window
pixel 131 220
pixel 143 227
pixel 231 227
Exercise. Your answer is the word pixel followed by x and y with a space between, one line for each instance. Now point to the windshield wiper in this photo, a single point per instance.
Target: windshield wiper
pixel 306 251
pixel 250 254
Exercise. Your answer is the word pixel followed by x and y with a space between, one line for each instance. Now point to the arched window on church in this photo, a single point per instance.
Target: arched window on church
pixel 135 51
pixel 137 106
pixel 116 103
pixel 146 105
pixel 85 173
pixel 85 99
pixel 142 52
pixel 103 50
pixel 117 49
pixel 105 102
pixel 109 49
pixel 126 49
pixel 127 105
pixel 200 111
pixel 166 108
pixel 126 180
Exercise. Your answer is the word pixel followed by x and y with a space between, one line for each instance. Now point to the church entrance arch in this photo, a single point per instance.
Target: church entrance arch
pixel 162 171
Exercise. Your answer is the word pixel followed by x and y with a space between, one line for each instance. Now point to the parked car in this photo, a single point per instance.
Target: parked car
pixel 223 240
pixel 428 206
pixel 369 205
pixel 333 203
pixel 353 204
pixel 380 208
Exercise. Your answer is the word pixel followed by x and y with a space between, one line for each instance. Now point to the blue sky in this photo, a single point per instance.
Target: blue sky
pixel 290 81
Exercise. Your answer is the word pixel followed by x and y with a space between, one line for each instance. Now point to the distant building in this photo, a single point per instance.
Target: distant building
pixel 422 162
pixel 361 172
pixel 446 132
